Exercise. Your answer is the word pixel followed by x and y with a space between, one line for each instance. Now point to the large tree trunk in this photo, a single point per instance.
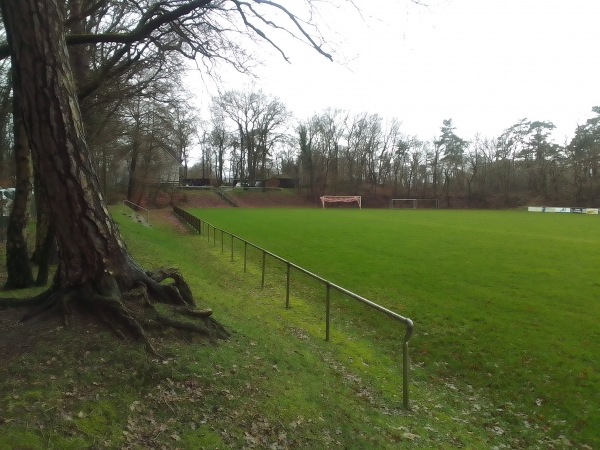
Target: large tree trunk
pixel 88 241
pixel 131 186
pixel 43 229
pixel 94 264
pixel 5 112
pixel 18 267
pixel 47 254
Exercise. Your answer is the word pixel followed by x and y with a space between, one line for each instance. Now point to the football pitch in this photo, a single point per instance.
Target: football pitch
pixel 504 301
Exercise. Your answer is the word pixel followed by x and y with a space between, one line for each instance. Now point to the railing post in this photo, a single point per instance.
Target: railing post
pixel 245 250
pixel 137 208
pixel 287 287
pixel 405 363
pixel 214 237
pixel 222 242
pixel 327 310
pixel 263 270
pixel 232 248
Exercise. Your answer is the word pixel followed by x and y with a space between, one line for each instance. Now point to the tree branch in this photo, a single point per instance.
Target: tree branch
pixel 158 16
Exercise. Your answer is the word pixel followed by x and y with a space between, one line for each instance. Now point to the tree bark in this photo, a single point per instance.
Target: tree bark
pixel 46 256
pixel 42 228
pixel 131 185
pixel 95 267
pixel 88 241
pixel 5 112
pixel 18 266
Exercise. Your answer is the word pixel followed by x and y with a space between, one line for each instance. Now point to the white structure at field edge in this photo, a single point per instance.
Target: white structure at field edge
pixel 563 210
pixel 341 199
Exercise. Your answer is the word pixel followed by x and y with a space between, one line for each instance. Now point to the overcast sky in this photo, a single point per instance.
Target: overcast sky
pixel 483 63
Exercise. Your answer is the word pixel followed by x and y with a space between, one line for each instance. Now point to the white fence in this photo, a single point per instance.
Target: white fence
pixel 563 210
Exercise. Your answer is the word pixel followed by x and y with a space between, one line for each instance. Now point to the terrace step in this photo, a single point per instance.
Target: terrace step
pixel 226 197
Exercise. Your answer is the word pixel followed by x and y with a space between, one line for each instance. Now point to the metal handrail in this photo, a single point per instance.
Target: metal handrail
pixel 196 222
pixel 225 196
pixel 136 208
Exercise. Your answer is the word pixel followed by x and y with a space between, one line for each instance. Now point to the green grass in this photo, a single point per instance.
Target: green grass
pixel 277 383
pixel 505 302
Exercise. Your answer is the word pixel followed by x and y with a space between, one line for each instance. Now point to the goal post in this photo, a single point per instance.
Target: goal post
pixel 414 203
pixel 341 199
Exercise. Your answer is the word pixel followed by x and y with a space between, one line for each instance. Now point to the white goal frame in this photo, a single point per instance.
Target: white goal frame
pixel 341 199
pixel 415 201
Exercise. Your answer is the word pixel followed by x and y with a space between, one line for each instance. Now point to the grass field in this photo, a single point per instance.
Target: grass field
pixel 275 384
pixel 499 359
pixel 503 302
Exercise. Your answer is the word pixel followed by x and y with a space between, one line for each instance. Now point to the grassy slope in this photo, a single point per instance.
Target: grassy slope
pixel 275 384
pixel 503 301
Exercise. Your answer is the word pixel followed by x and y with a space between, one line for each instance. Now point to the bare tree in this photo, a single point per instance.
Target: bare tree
pixel 259 121
pixel 389 143
pixel 332 130
pixel 219 139
pixel 320 150
pixel 360 138
pixel 307 135
pixel 182 131
pixel 269 130
pixel 583 153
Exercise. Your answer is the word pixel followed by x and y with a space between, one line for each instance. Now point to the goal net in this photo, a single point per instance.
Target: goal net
pixel 413 203
pixel 342 199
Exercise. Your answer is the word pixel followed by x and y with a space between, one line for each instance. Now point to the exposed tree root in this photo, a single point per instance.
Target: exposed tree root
pixel 50 303
pixel 133 311
pixel 181 325
pixel 185 311
pixel 16 302
pixel 182 291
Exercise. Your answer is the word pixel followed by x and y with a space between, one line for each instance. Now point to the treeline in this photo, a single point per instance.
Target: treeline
pixel 139 131
pixel 142 128
pixel 143 131
pixel 253 136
